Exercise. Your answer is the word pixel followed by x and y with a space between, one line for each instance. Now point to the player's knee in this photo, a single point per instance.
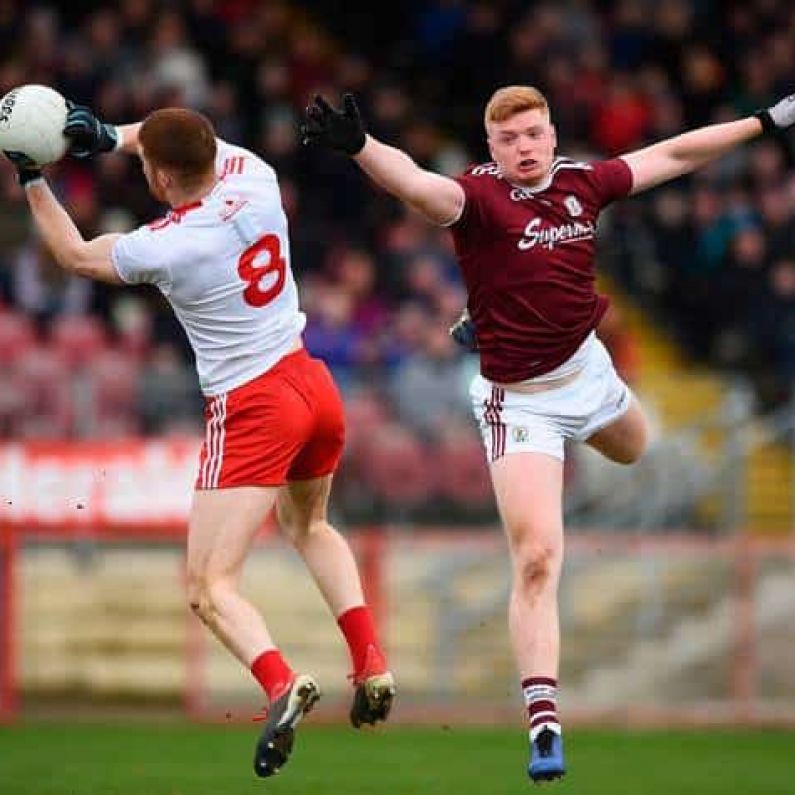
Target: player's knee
pixel 633 451
pixel 626 441
pixel 626 455
pixel 204 595
pixel 284 517
pixel 638 443
pixel 293 525
pixel 301 532
pixel 199 603
pixel 536 565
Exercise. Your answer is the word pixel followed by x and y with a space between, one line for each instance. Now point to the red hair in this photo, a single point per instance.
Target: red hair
pixel 180 141
pixel 510 100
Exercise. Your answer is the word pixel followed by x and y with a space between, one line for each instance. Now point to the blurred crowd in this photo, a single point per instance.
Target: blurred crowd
pixel 712 256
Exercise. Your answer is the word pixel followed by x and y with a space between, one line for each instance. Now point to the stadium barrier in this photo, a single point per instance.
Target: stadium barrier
pixel 8 611
pixel 673 628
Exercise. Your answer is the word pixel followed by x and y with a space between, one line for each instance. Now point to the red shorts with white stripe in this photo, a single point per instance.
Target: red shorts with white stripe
pixel 286 424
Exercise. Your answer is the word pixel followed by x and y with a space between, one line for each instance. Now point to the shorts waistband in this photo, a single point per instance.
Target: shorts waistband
pixel 525 388
pixel 295 354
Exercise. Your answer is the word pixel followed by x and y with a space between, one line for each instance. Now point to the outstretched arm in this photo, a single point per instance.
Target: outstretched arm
pixel 440 199
pixel 684 153
pixel 91 258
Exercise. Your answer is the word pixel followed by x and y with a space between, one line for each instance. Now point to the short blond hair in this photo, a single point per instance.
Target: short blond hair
pixel 510 100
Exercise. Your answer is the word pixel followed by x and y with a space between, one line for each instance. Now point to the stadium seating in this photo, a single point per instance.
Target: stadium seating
pixel 78 339
pixel 47 412
pixel 17 337
pixel 396 467
pixel 112 383
pixel 365 412
pixel 461 471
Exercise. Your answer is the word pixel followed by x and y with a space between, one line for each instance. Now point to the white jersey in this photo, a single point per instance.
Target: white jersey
pixel 224 265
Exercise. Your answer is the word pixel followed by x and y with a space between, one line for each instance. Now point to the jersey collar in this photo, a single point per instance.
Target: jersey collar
pixel 186 208
pixel 544 185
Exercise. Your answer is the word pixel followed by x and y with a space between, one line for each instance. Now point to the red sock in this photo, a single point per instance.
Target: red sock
pixel 273 673
pixel 359 630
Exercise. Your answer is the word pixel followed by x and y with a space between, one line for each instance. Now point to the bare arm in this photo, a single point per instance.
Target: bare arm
pixel 91 258
pixel 440 199
pixel 128 138
pixel 684 153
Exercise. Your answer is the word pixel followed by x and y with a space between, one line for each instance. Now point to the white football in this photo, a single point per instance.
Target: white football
pixel 32 119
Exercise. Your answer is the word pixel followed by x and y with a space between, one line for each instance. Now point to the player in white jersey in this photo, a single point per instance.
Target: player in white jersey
pixel 274 419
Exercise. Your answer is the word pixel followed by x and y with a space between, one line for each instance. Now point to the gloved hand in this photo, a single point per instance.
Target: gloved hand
pixel 463 332
pixel 780 116
pixel 27 169
pixel 341 130
pixel 89 135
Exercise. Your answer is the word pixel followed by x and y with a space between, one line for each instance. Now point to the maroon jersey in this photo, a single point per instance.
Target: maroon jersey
pixel 527 257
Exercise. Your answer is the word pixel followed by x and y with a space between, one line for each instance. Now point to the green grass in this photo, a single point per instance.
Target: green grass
pixel 177 759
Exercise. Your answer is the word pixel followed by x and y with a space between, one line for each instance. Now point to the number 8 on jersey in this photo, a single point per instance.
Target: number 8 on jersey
pixel 255 274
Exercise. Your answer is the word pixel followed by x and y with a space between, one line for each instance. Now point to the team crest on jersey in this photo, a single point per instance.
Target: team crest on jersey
pixel 520 434
pixel 572 204
pixel 232 207
pixel 486 168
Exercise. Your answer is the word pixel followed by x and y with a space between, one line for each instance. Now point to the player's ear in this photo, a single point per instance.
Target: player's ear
pixel 159 182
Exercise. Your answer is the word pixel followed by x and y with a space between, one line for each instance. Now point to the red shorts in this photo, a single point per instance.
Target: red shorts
pixel 286 424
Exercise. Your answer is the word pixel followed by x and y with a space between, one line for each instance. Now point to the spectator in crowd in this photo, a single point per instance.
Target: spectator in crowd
pixel 330 334
pixel 646 70
pixel 429 388
pixel 43 290
pixel 772 323
pixel 167 395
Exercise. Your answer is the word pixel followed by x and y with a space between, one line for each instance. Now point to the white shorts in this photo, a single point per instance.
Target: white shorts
pixel 515 422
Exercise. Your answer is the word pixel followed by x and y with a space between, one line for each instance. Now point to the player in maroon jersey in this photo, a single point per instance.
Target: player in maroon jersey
pixel 524 228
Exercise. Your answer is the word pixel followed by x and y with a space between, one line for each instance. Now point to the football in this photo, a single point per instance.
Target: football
pixel 32 119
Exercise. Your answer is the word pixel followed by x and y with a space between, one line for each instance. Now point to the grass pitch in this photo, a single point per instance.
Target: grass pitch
pixel 179 759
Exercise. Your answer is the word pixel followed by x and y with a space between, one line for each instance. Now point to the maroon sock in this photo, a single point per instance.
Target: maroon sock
pixel 540 697
pixel 273 673
pixel 358 627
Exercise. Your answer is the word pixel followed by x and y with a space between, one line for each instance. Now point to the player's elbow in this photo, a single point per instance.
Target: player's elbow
pixel 83 262
pixel 441 201
pixel 84 270
pixel 80 263
pixel 72 258
pixel 435 209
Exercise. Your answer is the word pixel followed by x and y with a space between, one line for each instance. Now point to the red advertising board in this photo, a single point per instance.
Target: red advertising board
pixel 134 484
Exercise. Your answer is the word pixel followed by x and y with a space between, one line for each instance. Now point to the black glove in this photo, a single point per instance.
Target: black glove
pixel 341 130
pixel 27 169
pixel 463 332
pixel 780 116
pixel 89 135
